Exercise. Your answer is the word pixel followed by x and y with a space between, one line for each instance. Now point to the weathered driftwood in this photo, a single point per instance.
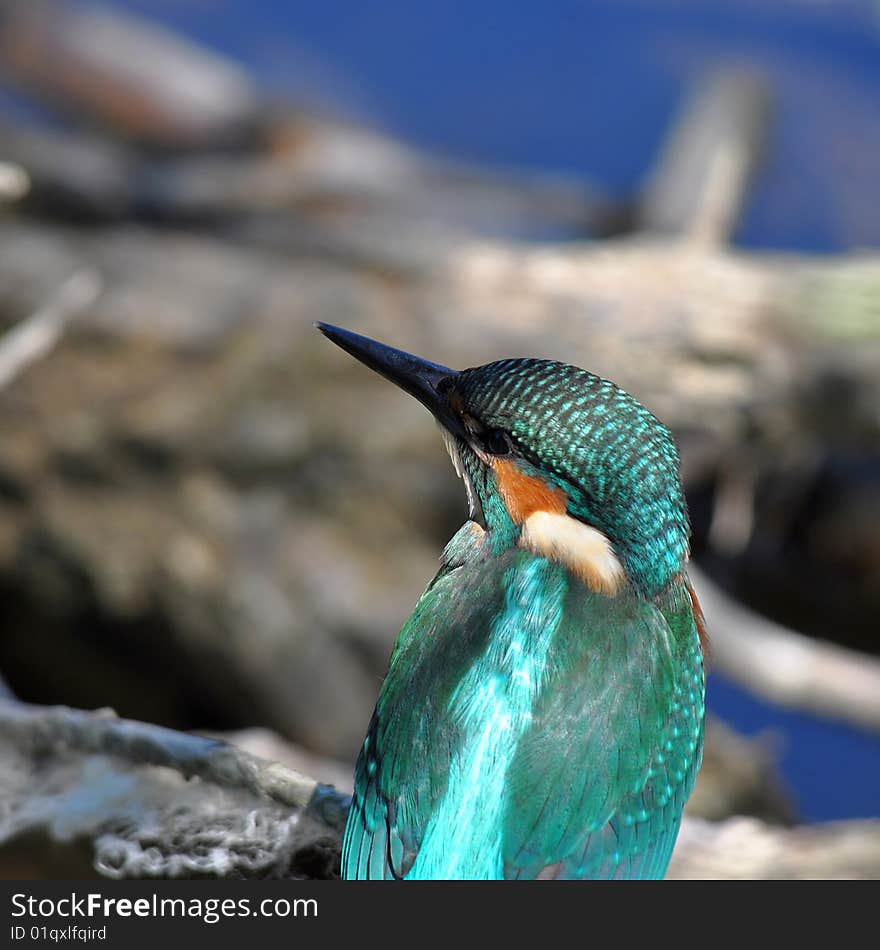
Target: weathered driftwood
pixel 127 73
pixel 84 793
pixel 40 730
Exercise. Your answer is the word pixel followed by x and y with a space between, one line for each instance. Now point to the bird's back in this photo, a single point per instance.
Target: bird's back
pixel 529 727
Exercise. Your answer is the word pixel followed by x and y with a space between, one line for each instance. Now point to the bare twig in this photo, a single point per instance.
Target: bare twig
pixel 35 336
pixel 787 667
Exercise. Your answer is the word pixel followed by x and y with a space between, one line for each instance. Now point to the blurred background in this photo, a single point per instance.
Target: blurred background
pixel 212 520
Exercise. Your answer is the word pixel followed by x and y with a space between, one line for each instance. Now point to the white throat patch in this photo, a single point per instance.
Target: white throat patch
pixel 583 550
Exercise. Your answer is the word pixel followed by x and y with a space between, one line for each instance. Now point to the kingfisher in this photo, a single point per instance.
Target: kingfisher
pixel 542 713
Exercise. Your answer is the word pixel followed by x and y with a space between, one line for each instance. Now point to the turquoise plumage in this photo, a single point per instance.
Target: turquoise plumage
pixel 542 715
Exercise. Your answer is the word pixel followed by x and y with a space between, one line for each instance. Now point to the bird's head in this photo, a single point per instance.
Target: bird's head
pixel 553 458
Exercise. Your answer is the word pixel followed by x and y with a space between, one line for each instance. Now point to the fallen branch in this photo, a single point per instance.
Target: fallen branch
pixel 43 729
pixel 786 667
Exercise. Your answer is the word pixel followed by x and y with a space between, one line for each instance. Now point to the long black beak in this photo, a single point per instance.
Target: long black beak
pixel 416 376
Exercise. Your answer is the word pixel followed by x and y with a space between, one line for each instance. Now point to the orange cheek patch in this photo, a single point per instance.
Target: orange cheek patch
pixel 524 494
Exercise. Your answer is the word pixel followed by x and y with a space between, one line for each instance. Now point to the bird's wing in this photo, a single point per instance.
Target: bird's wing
pixel 403 768
pixel 601 775
pixel 365 847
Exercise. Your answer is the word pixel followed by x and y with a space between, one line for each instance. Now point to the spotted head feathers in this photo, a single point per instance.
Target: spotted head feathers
pixel 586 439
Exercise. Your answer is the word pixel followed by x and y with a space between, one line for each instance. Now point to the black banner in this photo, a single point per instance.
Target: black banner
pixel 136 914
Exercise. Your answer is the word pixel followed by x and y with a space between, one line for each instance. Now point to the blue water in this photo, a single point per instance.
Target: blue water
pixel 589 88
pixel 829 770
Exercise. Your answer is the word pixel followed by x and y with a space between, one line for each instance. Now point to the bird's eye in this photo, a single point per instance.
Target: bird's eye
pixel 497 442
